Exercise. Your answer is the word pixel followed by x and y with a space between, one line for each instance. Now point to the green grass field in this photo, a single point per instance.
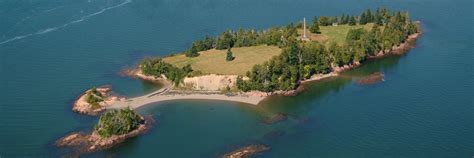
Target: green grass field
pixel 334 33
pixel 213 61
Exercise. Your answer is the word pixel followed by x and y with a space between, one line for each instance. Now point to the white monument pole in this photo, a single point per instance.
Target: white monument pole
pixel 304 28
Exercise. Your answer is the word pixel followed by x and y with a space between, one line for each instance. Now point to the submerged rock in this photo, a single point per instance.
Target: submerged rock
pixel 273 134
pixel 275 119
pixel 247 151
pixel 371 79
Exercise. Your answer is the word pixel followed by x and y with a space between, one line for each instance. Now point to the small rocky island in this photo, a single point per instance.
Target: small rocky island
pixel 247 151
pixel 114 127
pixel 95 100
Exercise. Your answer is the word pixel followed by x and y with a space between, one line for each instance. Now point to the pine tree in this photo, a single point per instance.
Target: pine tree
pixel 229 56
pixel 315 27
pixel 192 52
pixel 363 19
pixel 352 21
pixel 369 16
pixel 345 19
pixel 341 20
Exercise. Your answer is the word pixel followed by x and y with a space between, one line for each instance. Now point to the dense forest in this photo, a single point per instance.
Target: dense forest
pixel 118 122
pixel 299 60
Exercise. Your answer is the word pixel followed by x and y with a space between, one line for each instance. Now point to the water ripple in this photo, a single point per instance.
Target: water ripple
pixel 43 31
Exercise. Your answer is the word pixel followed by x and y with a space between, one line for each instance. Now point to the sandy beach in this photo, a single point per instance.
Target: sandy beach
pixel 147 99
pixel 163 94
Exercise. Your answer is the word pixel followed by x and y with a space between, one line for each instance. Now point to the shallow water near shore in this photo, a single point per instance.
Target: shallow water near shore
pixel 51 51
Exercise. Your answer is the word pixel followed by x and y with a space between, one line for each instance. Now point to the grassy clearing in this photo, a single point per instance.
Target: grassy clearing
pixel 334 33
pixel 213 61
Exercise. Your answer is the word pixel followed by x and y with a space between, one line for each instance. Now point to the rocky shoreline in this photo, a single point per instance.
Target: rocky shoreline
pixel 87 143
pixel 82 106
pixel 395 50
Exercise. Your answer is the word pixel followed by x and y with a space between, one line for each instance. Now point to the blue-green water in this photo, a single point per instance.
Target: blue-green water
pixel 52 50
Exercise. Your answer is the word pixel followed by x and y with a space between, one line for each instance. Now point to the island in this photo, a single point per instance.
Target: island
pixel 247 66
pixel 114 127
pixel 95 100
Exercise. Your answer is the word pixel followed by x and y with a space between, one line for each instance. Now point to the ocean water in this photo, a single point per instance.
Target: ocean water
pixel 53 50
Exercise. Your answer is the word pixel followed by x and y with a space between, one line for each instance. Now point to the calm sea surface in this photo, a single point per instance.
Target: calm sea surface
pixel 52 50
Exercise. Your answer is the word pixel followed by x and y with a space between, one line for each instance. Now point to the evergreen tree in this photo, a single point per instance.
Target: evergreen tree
pixel 192 52
pixel 352 21
pixel 315 27
pixel 324 21
pixel 363 19
pixel 345 19
pixel 369 16
pixel 341 19
pixel 226 40
pixel 229 56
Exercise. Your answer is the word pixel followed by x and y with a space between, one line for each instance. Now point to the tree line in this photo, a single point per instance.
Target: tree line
pixel 277 36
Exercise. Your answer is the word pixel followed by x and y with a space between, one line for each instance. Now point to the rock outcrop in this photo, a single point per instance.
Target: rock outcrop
pixel 371 79
pixel 86 143
pixel 247 151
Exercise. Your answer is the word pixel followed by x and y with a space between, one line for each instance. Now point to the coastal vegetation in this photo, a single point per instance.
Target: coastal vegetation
pixel 157 67
pixel 335 41
pixel 93 97
pixel 118 122
pixel 114 127
pixel 301 60
pixel 314 28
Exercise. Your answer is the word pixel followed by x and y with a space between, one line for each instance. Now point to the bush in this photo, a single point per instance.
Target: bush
pixel 229 56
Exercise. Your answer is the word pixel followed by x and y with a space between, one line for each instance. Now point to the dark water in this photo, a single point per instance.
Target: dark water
pixel 52 50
